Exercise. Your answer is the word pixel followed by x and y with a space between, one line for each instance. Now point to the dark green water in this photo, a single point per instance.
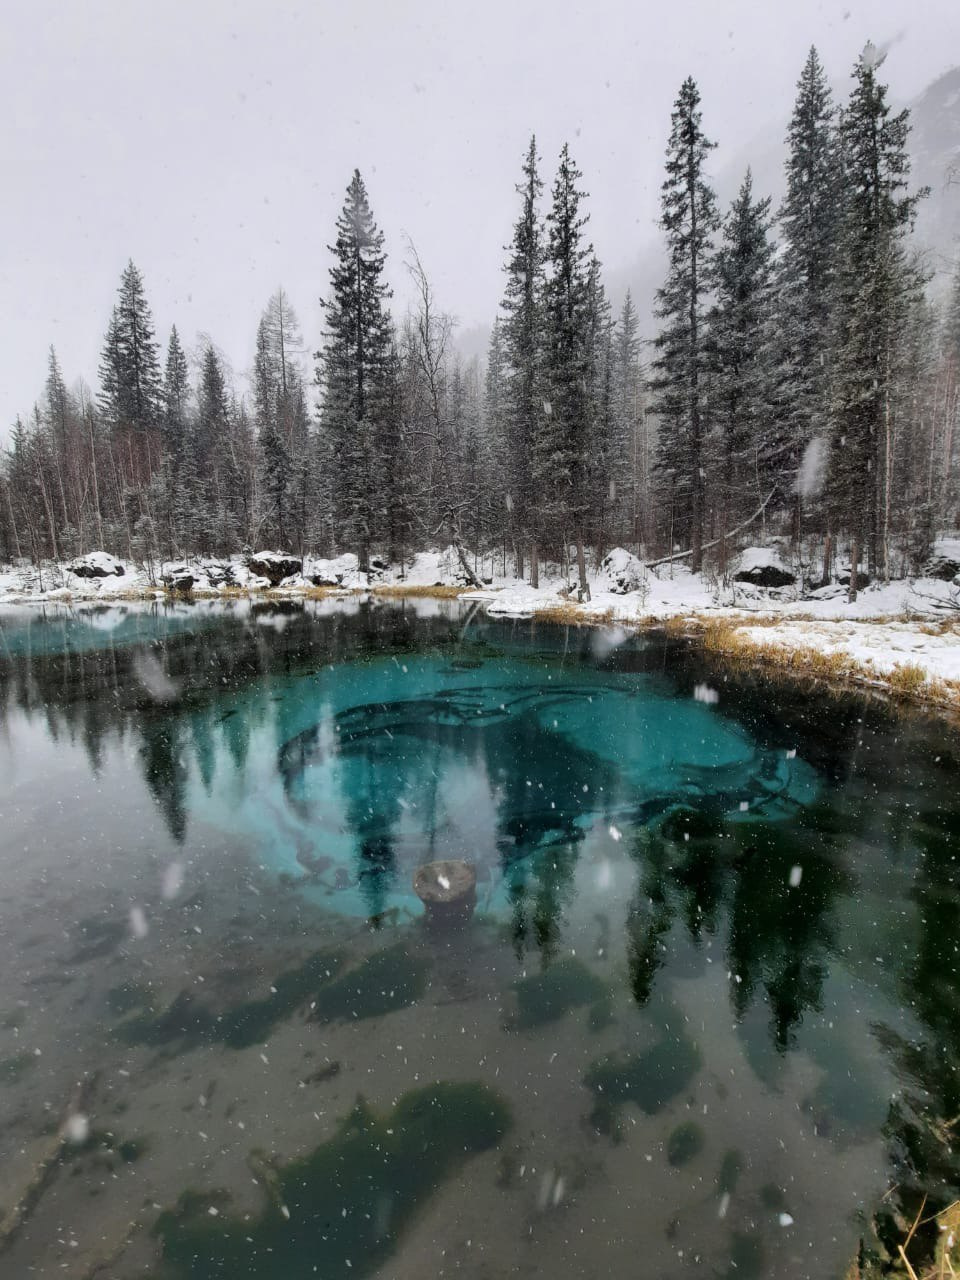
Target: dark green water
pixel 706 1014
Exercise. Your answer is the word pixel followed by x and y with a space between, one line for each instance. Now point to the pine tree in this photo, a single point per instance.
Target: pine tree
pixel 521 335
pixel 562 442
pixel 809 220
pixel 278 381
pixel 689 218
pixel 352 368
pixel 286 461
pixel 872 286
pixel 743 365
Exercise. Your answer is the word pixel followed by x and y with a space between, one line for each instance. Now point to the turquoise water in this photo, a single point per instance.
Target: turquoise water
pixel 705 1013
pixel 363 772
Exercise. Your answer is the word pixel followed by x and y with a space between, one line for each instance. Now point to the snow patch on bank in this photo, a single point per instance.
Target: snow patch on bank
pixel 880 646
pixel 622 590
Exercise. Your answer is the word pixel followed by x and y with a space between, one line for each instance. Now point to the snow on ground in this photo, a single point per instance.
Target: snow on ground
pixel 887 625
pixel 879 646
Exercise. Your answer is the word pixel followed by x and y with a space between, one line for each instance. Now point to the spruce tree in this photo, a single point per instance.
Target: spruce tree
pixel 950 348
pixel 951 320
pixel 352 368
pixel 395 486
pixel 60 420
pixel 872 286
pixel 629 454
pixel 562 443
pixel 602 443
pixel 59 408
pixel 130 369
pixel 744 370
pixel 689 218
pixel 213 408
pixel 111 372
pixel 809 221
pixel 497 435
pixel 522 340
pixel 176 393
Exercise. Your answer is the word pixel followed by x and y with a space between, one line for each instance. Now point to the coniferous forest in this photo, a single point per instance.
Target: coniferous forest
pixel 798 381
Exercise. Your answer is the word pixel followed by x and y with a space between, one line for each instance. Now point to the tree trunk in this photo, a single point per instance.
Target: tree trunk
pixel 827 554
pixel 682 555
pixel 854 569
pixel 465 563
pixel 582 567
pixel 13 523
pixel 48 508
pixel 696 550
pixel 887 477
pixel 534 566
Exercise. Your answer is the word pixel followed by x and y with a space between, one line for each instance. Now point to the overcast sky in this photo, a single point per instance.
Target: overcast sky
pixel 212 141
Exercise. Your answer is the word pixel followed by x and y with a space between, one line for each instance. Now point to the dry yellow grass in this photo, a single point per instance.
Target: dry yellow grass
pixel 907 681
pixel 399 590
pixel 573 614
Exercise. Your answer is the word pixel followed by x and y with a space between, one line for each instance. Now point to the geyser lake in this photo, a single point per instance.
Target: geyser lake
pixel 704 1020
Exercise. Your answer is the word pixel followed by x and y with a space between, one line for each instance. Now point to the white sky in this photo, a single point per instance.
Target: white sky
pixel 212 141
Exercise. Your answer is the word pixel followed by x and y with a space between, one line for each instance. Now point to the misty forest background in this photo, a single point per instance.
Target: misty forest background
pixel 800 382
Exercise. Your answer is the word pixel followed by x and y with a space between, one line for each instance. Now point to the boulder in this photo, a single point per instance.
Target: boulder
pixel 274 566
pixel 762 567
pixel 830 591
pixel 96 564
pixel 941 566
pixel 842 575
pixel 624 570
pixel 448 891
pixel 331 573
pixel 179 578
pixel 219 573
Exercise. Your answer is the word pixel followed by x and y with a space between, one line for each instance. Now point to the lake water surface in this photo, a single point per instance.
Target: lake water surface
pixel 704 1020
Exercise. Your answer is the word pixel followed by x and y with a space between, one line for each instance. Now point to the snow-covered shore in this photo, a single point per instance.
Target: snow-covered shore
pixel 904 634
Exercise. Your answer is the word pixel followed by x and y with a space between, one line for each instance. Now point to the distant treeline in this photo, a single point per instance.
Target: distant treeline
pixel 799 371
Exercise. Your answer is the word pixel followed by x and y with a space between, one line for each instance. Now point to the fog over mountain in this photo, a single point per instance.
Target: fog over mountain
pixel 935 159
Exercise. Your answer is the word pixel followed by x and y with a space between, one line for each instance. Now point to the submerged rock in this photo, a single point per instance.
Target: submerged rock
pixel 448 890
pixel 385 1167
pixel 96 564
pixel 274 566
pixel 546 997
